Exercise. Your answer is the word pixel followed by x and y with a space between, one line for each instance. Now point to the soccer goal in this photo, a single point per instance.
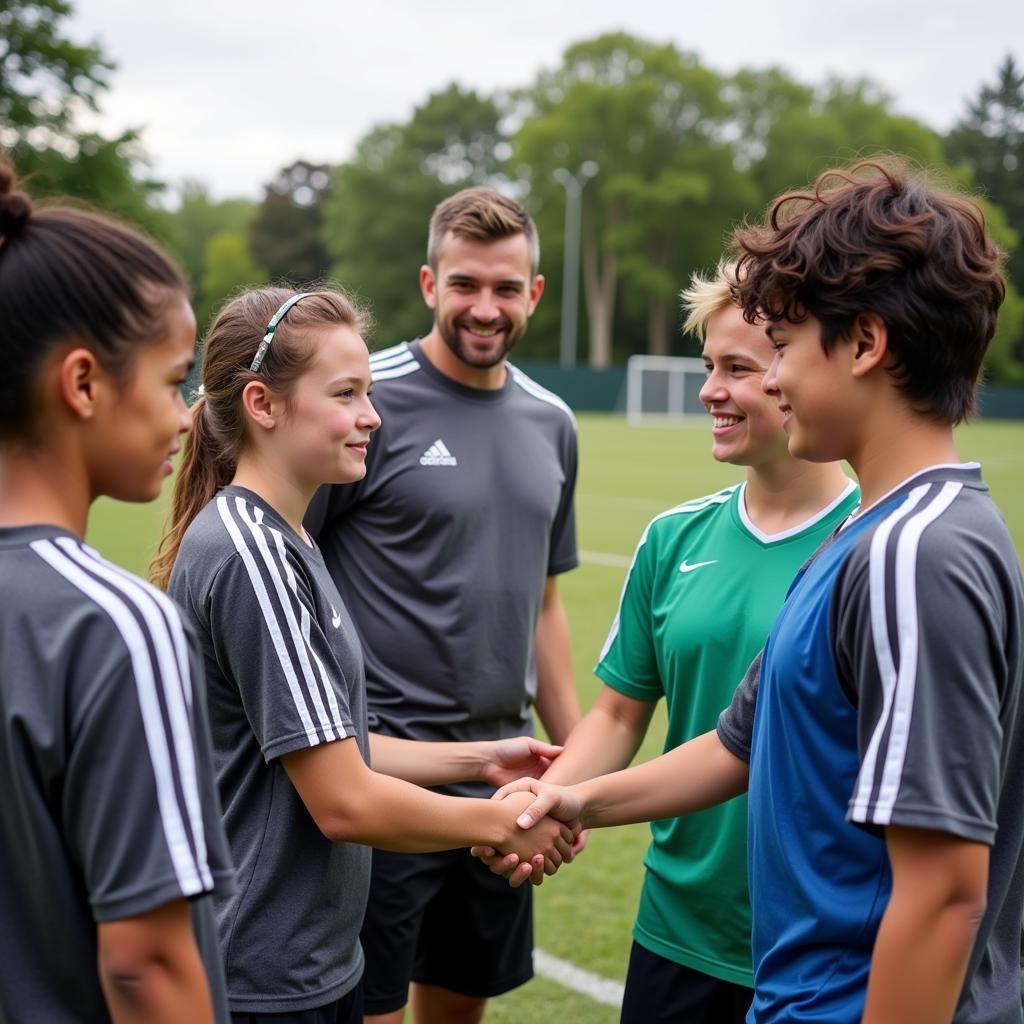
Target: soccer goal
pixel 663 387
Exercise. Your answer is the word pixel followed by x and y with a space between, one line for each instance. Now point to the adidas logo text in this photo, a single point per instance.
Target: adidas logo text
pixel 438 455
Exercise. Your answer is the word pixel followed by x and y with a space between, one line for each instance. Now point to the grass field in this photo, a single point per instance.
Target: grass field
pixel 627 475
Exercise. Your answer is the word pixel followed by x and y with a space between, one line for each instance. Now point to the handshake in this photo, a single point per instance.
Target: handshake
pixel 547 831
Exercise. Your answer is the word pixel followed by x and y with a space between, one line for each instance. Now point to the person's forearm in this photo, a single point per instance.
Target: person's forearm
pixel 602 742
pixel 920 957
pixel 393 815
pixel 426 764
pixel 698 774
pixel 557 702
pixel 157 995
pixel 150 969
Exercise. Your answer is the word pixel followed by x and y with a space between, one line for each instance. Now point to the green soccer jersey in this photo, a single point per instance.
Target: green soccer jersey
pixel 698 604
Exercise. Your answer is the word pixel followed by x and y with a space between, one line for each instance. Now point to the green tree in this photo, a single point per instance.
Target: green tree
pixel 655 121
pixel 227 268
pixel 198 218
pixel 286 234
pixel 802 132
pixel 989 139
pixel 43 74
pixel 378 211
pixel 44 78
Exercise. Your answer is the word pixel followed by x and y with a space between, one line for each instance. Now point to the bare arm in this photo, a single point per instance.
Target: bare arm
pixel 496 762
pixel 939 884
pixel 698 774
pixel 150 969
pixel 350 803
pixel 558 704
pixel 605 740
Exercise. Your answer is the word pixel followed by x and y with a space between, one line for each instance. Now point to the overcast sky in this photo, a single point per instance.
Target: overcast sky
pixel 229 91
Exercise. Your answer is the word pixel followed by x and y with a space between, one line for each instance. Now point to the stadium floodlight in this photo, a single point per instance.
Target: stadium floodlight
pixel 663 387
pixel 573 185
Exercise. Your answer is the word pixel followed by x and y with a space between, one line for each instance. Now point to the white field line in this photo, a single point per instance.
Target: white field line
pixel 600 558
pixel 601 990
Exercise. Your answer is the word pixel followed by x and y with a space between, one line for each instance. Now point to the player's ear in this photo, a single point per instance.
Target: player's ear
pixel 536 291
pixel 260 405
pixel 80 377
pixel 428 286
pixel 869 338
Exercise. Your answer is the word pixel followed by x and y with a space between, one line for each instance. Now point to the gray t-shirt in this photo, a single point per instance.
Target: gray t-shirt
pixel 109 807
pixel 284 672
pixel 443 549
pixel 893 676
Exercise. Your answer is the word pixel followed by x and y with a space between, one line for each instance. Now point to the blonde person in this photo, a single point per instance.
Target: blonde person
pixel 705 584
pixel 286 407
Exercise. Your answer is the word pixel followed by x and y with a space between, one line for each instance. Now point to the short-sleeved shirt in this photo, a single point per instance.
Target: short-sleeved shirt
pixel 284 673
pixel 701 594
pixel 888 693
pixel 442 550
pixel 109 806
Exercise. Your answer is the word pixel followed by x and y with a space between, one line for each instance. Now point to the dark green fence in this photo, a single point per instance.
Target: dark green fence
pixel 588 390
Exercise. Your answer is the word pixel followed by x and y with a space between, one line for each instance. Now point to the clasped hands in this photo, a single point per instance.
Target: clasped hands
pixel 538 803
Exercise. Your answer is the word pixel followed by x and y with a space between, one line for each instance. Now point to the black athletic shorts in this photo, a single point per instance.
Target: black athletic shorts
pixel 346 1010
pixel 660 991
pixel 443 919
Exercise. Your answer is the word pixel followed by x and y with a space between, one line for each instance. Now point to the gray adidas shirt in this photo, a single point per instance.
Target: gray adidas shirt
pixel 284 672
pixel 443 549
pixel 109 807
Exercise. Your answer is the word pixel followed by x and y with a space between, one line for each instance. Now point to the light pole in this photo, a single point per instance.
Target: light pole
pixel 573 185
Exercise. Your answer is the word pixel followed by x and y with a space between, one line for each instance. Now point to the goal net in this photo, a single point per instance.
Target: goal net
pixel 663 387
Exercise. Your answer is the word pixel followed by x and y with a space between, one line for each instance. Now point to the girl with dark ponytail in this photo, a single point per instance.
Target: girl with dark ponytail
pixel 110 834
pixel 285 407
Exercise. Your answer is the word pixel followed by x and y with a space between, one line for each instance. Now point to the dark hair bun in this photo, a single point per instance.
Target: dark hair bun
pixel 15 206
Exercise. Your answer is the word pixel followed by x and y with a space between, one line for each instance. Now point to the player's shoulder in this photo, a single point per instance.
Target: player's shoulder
pixel 528 390
pixel 105 607
pixel 397 362
pixel 688 513
pixel 942 524
pixel 671 527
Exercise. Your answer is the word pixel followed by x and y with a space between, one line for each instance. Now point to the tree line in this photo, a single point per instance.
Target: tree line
pixel 683 152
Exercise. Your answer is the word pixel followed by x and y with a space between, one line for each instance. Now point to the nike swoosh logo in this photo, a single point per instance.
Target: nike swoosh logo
pixel 686 567
pixel 335 618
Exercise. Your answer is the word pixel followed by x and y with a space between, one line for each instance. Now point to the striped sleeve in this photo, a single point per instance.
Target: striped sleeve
pixel 267 636
pixel 919 619
pixel 139 802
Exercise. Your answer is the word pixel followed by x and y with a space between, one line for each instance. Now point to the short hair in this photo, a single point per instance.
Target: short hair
pixel 484 215
pixel 707 296
pixel 879 238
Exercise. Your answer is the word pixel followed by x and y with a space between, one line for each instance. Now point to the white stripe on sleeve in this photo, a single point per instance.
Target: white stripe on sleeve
pixel 255 525
pixel 185 868
pixel 898 686
pixel 269 618
pixel 305 625
pixel 174 676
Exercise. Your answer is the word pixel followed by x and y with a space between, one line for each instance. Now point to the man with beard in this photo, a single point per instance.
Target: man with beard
pixel 447 555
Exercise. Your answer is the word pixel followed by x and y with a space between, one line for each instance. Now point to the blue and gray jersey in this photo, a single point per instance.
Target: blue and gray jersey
pixel 889 693
pixel 284 673
pixel 442 550
pixel 109 806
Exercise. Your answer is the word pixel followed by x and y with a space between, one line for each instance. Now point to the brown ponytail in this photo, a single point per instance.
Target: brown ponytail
pixel 215 442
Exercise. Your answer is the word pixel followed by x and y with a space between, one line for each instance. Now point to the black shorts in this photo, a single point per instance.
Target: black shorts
pixel 443 919
pixel 660 991
pixel 346 1010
